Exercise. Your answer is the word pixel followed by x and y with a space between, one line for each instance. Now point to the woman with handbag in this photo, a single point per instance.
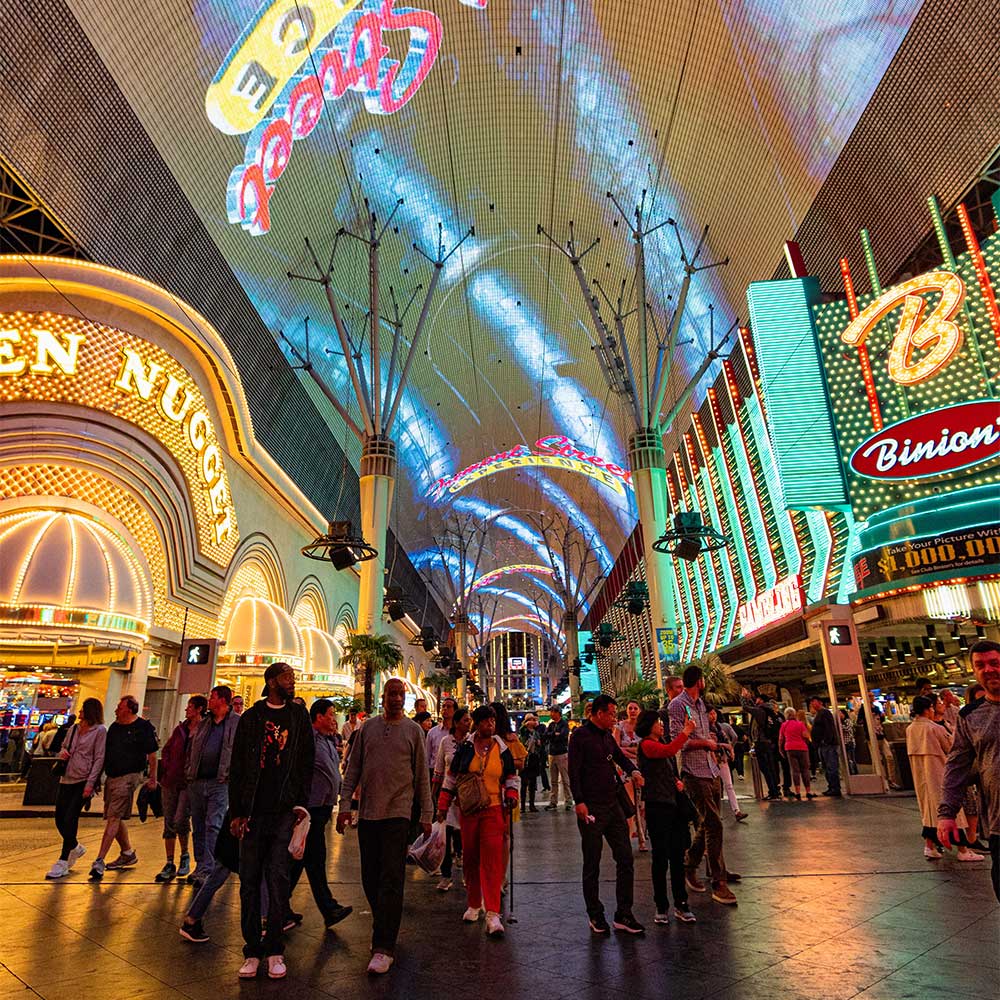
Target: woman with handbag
pixel 484 780
pixel 627 738
pixel 80 763
pixel 667 812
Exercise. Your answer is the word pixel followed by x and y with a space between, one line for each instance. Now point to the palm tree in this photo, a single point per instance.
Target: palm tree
pixel 721 688
pixel 439 680
pixel 374 653
pixel 646 693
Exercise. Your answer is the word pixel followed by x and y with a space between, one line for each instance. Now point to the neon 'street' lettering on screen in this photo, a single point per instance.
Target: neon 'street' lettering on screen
pixel 260 89
pixel 556 451
pixel 936 335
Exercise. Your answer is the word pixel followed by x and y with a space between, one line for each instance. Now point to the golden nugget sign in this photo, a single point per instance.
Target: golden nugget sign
pixel 62 359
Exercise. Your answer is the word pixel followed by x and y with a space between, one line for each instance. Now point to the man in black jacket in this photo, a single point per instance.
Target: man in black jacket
pixel 827 743
pixel 764 726
pixel 593 754
pixel 269 780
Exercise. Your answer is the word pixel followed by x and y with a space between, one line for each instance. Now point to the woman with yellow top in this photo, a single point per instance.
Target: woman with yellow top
pixel 484 831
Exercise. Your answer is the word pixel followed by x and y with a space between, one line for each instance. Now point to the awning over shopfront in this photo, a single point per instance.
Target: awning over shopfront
pixel 66 578
pixel 322 659
pixel 259 628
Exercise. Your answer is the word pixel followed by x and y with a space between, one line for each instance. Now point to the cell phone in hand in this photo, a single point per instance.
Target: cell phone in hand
pixel 687 708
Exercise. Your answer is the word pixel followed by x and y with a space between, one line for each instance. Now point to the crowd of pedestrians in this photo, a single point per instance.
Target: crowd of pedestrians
pixel 255 792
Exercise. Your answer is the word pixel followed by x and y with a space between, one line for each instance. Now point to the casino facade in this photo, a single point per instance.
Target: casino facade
pixel 138 509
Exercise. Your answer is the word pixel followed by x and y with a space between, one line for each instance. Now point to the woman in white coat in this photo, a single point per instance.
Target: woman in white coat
pixel 928 744
pixel 461 723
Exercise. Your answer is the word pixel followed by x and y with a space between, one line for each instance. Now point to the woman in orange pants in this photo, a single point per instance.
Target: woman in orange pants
pixel 484 778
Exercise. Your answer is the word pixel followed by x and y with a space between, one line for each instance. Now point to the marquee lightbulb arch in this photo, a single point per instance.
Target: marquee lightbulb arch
pixel 63 574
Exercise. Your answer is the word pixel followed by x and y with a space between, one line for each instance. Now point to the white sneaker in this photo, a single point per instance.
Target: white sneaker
pixel 78 852
pixel 276 968
pixel 968 855
pixel 661 918
pixel 494 928
pixel 472 914
pixel 445 884
pixel 380 963
pixel 248 970
pixel 59 870
pixel 932 853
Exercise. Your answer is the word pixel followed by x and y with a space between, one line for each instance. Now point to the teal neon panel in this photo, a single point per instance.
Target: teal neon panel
pixel 822 540
pixel 731 598
pixel 772 480
pixel 795 391
pixel 764 554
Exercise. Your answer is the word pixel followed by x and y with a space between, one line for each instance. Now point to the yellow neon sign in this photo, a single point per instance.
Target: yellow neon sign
pixel 937 335
pixel 272 50
pixel 65 359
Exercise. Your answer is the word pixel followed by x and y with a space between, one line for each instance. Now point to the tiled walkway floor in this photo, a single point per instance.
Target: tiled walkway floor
pixel 837 902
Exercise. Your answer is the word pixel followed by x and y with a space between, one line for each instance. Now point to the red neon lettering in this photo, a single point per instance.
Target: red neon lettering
pixel 543 444
pixel 275 149
pixel 305 107
pixel 427 28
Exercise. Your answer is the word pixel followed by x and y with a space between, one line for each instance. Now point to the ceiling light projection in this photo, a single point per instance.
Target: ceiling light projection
pixel 279 124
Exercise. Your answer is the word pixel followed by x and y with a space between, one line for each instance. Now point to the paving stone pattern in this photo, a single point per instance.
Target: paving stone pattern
pixel 837 902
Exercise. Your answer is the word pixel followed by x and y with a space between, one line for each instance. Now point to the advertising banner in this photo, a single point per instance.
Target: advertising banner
pixel 908 562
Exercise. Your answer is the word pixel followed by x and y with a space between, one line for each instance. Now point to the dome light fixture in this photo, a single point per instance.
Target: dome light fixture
pixel 340 546
pixel 690 537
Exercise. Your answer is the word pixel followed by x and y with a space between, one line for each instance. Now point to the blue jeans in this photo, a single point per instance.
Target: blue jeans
pixel 830 759
pixel 209 800
pixel 216 879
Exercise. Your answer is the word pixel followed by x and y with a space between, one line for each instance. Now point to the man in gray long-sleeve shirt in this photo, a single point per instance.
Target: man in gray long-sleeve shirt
pixel 976 749
pixel 388 766
pixel 322 798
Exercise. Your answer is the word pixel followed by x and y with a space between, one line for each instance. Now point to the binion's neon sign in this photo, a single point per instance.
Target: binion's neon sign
pixel 260 89
pixel 556 451
pixel 923 344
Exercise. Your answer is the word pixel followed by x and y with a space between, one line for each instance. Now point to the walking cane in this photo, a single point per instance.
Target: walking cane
pixel 511 919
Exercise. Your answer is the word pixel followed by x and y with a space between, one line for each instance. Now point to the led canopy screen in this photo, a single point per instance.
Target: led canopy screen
pixel 291 119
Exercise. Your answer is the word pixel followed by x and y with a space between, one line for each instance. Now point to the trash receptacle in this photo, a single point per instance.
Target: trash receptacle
pixel 758 778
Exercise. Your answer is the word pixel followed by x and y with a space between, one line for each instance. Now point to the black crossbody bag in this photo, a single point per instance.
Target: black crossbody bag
pixel 621 794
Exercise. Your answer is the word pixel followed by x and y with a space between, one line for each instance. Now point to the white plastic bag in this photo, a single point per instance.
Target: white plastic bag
pixel 428 851
pixel 297 845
